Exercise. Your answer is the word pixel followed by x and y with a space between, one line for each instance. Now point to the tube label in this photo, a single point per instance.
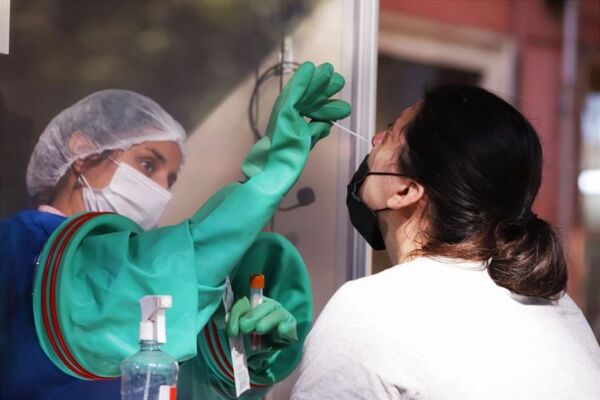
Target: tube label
pixel 166 392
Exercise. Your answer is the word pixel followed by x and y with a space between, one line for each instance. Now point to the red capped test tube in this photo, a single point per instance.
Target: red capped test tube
pixel 257 284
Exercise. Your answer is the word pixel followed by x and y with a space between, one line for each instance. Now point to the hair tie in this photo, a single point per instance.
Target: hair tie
pixel 528 216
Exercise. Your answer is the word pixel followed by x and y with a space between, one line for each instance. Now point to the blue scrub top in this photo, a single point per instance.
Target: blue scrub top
pixel 25 370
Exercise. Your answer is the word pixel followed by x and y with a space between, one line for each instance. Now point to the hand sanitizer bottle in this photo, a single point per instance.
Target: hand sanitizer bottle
pixel 150 374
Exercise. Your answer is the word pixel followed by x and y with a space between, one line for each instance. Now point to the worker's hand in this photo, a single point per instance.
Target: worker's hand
pixel 289 136
pixel 269 317
pixel 316 103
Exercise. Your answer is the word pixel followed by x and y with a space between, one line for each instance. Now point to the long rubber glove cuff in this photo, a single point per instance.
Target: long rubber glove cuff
pixel 222 239
pixel 289 285
pixel 91 274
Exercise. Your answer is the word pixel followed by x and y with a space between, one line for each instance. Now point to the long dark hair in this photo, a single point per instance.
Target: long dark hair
pixel 480 162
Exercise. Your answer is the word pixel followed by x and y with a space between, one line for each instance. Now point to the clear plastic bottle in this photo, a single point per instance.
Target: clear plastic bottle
pixel 150 374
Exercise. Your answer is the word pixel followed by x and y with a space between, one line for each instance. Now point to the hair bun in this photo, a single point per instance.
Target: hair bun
pixel 528 258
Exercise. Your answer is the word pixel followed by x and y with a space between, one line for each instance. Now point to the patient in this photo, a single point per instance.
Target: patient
pixel 475 307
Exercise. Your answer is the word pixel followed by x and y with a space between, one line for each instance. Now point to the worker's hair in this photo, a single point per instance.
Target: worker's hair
pixel 480 162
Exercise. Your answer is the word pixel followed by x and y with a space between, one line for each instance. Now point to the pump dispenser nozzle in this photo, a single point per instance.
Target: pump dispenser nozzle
pixel 150 374
pixel 152 324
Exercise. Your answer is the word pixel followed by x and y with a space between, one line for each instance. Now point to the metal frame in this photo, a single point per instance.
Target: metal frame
pixel 359 55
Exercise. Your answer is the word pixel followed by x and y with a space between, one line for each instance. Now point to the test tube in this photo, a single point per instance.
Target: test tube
pixel 257 284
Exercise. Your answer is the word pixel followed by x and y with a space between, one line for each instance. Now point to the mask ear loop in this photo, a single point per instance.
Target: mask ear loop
pixel 81 180
pixel 113 160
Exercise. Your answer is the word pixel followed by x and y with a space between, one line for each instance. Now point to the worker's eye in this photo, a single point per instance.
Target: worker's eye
pixel 149 166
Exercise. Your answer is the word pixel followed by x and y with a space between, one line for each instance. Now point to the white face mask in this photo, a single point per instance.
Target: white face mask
pixel 129 193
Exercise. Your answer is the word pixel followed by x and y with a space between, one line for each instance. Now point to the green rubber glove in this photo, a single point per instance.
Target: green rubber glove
pixel 297 101
pixel 269 317
pixel 224 228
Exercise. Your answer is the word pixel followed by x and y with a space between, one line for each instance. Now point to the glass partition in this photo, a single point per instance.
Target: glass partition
pixel 215 66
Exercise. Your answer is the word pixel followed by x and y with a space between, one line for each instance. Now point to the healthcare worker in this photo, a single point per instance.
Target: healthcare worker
pixel 101 173
pixel 476 306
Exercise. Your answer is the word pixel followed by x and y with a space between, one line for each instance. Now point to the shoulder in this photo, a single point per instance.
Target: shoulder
pixel 352 350
pixel 22 238
pixel 407 290
pixel 31 222
pixel 418 276
pixel 359 304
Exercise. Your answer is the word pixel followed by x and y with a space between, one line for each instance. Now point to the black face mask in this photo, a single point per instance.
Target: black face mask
pixel 362 217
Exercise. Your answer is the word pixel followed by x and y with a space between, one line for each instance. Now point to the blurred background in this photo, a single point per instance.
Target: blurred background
pixel 217 66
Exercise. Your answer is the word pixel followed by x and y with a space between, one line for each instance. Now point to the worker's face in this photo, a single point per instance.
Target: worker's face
pixel 158 160
pixel 387 145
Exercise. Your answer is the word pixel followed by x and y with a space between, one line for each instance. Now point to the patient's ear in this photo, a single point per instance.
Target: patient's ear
pixel 406 196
